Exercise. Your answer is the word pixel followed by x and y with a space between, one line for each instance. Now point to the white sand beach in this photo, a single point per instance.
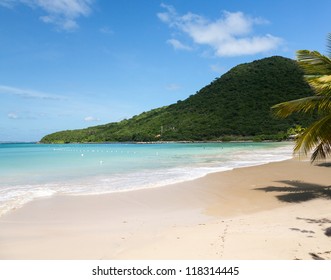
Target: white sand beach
pixel 276 211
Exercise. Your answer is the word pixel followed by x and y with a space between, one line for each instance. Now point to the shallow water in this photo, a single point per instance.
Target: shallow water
pixel 28 171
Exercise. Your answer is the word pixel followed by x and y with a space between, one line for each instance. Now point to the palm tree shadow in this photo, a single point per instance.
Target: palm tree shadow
pixel 324 164
pixel 298 191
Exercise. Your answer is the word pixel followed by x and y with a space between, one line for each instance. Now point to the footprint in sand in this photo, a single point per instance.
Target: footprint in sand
pixel 223 238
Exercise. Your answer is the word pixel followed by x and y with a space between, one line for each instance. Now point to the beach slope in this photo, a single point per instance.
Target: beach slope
pixel 278 210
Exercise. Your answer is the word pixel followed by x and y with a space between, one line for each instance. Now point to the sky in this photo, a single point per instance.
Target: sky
pixel 69 64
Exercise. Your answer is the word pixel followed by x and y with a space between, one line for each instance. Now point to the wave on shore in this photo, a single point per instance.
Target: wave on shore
pixel 31 171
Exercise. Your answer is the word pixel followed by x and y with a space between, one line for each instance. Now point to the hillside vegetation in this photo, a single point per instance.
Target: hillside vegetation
pixel 233 107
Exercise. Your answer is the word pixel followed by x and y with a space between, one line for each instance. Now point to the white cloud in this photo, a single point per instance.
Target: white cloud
pixel 91 119
pixel 27 115
pixel 64 23
pixel 12 116
pixel 230 35
pixel 62 13
pixel 27 93
pixel 167 16
pixel 237 47
pixel 178 45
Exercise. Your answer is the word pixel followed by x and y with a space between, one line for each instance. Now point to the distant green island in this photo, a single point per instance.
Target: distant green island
pixel 235 106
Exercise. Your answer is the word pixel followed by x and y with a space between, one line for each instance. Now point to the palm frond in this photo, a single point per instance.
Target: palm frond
pixel 314 63
pixel 321 84
pixel 307 104
pixel 325 105
pixel 322 151
pixel 317 68
pixel 316 136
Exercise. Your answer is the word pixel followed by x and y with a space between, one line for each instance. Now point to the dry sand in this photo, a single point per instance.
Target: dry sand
pixel 274 211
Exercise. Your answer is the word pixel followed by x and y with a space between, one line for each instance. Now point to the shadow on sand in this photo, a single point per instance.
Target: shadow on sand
pixel 324 164
pixel 298 191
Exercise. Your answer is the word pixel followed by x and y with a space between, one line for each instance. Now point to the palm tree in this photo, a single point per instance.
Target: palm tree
pixel 317 136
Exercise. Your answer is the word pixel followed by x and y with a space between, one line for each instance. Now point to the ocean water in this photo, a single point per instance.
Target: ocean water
pixel 29 171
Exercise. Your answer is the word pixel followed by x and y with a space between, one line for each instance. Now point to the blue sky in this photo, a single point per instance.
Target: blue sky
pixel 67 64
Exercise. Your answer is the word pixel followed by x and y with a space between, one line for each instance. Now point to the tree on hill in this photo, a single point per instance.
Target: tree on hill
pixel 235 106
pixel 317 136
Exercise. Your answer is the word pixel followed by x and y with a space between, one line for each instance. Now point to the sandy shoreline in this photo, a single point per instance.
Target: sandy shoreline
pixel 274 211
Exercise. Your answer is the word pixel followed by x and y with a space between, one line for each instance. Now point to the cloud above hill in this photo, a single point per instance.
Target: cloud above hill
pixel 28 93
pixel 61 13
pixel 230 35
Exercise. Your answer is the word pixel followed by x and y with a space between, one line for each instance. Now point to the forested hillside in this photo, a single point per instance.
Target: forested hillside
pixel 234 106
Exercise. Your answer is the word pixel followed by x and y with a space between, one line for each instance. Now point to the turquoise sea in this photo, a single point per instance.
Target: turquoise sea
pixel 30 171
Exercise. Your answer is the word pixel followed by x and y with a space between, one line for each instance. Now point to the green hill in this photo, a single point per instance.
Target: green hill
pixel 234 106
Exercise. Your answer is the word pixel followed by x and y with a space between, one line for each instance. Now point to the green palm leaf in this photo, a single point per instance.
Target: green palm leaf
pixel 314 63
pixel 317 137
pixel 322 151
pixel 305 105
pixel 322 85
pixel 319 132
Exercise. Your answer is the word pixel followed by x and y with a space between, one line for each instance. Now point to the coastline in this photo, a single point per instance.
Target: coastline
pixel 278 210
pixel 50 170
